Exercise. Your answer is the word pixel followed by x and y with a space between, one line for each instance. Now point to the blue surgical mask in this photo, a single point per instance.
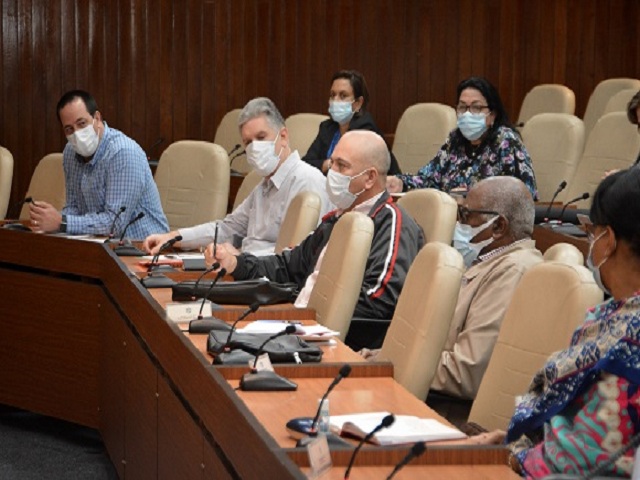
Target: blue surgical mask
pixel 341 112
pixel 462 236
pixel 595 269
pixel 472 125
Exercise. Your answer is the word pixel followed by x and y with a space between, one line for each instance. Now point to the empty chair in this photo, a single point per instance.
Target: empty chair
pixel 549 303
pixel 422 130
pixel 547 98
pixel 47 183
pixel 613 144
pixel 435 211
pixel 303 129
pixel 337 288
pixel 601 96
pixel 555 142
pixel 619 102
pixel 422 318
pixel 251 180
pixel 6 177
pixel 193 182
pixel 301 219
pixel 564 253
pixel 228 137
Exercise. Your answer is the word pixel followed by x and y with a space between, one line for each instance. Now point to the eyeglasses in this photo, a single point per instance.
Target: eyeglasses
pixel 464 212
pixel 475 108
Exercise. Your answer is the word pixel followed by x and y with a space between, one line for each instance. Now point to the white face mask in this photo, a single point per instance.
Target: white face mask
pixel 338 188
pixel 341 111
pixel 84 141
pixel 462 236
pixel 595 269
pixel 261 155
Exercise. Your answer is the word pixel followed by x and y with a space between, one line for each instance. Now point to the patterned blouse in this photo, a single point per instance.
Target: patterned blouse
pixel 460 164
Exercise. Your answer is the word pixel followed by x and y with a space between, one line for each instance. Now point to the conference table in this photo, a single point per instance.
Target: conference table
pixel 82 340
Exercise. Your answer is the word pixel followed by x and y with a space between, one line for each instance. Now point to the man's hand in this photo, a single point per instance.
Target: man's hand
pixel 370 355
pixel 44 217
pixel 394 184
pixel 224 255
pixel 153 242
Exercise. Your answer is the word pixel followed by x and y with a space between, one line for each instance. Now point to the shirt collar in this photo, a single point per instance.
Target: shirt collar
pixel 285 168
pixel 98 153
pixel 500 250
pixel 364 207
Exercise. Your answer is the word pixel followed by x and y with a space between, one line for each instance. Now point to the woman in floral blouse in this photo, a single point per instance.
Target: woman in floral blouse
pixel 484 145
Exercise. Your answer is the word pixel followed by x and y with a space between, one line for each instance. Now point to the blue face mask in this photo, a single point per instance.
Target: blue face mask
pixel 341 112
pixel 595 269
pixel 462 236
pixel 472 125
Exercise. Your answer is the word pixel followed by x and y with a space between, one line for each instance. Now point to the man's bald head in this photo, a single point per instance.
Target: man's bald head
pixel 369 149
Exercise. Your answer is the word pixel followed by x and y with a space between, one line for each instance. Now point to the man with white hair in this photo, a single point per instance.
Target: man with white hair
pixel 493 233
pixel 254 225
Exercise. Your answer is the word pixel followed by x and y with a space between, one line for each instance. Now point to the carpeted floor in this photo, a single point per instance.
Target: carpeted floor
pixel 35 447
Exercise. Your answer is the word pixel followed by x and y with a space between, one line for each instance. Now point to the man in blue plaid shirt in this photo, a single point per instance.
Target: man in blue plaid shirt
pixel 104 171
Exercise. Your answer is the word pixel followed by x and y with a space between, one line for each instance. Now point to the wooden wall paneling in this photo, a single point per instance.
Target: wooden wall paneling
pixel 194 75
pixel 138 73
pixel 10 134
pixel 507 63
pixel 588 80
pixel 163 50
pixel 561 19
pixel 180 73
pixel 209 101
pixel 221 86
pixel 46 109
pixel 213 469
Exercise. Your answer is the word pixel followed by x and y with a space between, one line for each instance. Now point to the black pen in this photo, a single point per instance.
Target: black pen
pixel 215 241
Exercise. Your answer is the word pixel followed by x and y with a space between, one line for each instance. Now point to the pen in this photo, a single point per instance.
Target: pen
pixel 215 241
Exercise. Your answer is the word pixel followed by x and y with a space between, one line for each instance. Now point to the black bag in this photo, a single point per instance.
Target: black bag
pixel 243 292
pixel 281 349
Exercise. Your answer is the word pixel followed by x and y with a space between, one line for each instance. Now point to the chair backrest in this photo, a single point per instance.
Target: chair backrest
pixel 6 178
pixel 555 142
pixel 619 101
pixel 422 318
pixel 303 129
pixel 422 130
pixel 601 95
pixel 435 211
pixel 339 281
pixel 547 98
pixel 564 253
pixel 301 219
pixel 613 144
pixel 193 181
pixel 228 136
pixel 547 306
pixel 47 183
pixel 251 180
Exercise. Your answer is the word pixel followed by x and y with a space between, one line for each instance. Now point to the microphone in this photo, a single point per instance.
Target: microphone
pixel 417 449
pixel 233 150
pixel 205 325
pixel 239 154
pixel 220 274
pixel 386 422
pixel 561 187
pixel 155 279
pixel 266 380
pixel 223 353
pixel 584 196
pixel 169 243
pixel 112 229
pixel 128 250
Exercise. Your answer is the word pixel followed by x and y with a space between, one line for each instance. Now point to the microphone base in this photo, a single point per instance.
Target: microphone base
pixel 157 281
pixel 234 357
pixel 128 251
pixel 266 381
pixel 205 325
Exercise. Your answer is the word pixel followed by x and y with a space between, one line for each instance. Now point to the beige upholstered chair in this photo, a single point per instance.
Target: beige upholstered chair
pixel 423 315
pixel 303 129
pixel 435 211
pixel 547 98
pixel 555 142
pixel 564 253
pixel 422 130
pixel 228 136
pixel 549 303
pixel 339 281
pixel 47 183
pixel 251 180
pixel 6 178
pixel 193 181
pixel 613 144
pixel 601 96
pixel 301 219
pixel 619 102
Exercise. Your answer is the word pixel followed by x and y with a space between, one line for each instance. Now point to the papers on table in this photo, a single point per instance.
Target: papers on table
pixel 405 428
pixel 310 333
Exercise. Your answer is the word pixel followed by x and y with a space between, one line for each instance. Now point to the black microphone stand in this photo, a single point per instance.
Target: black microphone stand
pixel 112 229
pixel 127 249
pixel 386 422
pixel 155 279
pixel 212 323
pixel 561 187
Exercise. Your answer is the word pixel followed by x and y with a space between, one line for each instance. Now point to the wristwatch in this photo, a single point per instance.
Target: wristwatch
pixel 63 224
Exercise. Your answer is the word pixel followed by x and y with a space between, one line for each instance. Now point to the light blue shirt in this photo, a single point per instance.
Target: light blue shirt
pixel 117 176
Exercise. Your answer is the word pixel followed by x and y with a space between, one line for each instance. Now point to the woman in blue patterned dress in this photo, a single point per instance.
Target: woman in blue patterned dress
pixel 484 145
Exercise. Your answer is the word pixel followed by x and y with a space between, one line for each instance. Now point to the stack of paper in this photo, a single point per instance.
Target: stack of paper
pixel 307 332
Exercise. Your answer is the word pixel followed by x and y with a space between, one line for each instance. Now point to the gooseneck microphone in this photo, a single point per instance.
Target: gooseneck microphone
pixel 153 278
pixel 239 154
pixel 417 449
pixel 267 380
pixel 213 267
pixel 131 222
pixel 584 196
pixel 252 309
pixel 112 229
pixel 386 422
pixel 343 373
pixel 561 187
pixel 168 244
pixel 125 249
pixel 220 274
pixel 233 150
pixel 222 351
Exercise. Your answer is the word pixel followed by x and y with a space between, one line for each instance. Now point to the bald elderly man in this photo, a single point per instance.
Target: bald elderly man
pixel 356 181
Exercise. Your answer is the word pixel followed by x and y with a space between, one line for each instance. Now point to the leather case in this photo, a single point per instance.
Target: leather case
pixel 243 292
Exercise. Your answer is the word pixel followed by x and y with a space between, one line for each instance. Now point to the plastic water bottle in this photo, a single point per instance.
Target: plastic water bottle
pixel 323 419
